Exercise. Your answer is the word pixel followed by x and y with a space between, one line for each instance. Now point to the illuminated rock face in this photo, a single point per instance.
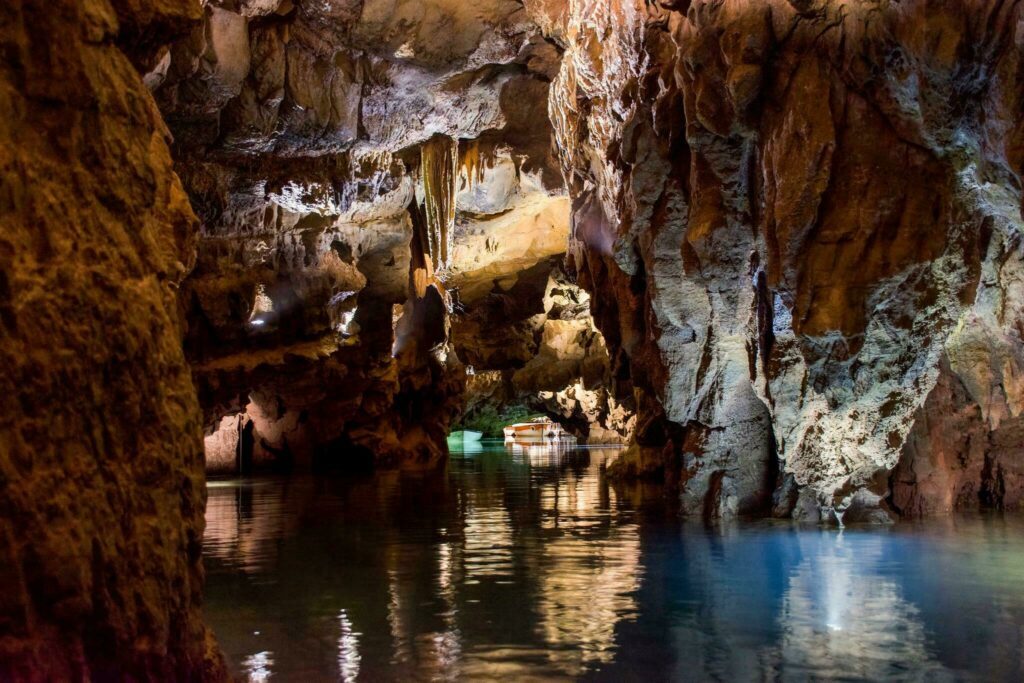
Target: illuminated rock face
pixel 101 491
pixel 800 225
pixel 521 325
pixel 801 254
pixel 531 343
pixel 349 162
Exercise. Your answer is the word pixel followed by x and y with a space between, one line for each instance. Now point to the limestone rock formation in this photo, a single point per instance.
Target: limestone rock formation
pixel 788 214
pixel 795 252
pixel 101 463
pixel 532 345
pixel 800 224
pixel 967 443
pixel 344 159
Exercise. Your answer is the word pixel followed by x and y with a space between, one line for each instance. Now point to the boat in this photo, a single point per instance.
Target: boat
pixel 538 428
pixel 464 436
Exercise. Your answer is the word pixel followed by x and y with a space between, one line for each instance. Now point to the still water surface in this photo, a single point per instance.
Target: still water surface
pixel 529 565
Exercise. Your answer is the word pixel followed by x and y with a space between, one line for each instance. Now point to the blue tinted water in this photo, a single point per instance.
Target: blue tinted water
pixel 531 565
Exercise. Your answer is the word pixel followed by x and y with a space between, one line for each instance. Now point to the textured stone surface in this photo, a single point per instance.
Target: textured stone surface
pixel 789 213
pixel 342 158
pixel 798 222
pixel 101 462
pixel 785 210
pixel 967 444
pixel 531 343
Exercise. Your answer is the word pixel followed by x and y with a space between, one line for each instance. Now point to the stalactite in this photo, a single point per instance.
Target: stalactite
pixel 420 280
pixel 438 173
pixel 423 324
pixel 475 158
pixel 472 164
pixel 421 267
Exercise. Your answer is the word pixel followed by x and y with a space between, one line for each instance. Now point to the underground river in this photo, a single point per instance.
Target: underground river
pixel 531 564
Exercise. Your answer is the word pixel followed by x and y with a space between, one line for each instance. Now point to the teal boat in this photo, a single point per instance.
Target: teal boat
pixel 463 437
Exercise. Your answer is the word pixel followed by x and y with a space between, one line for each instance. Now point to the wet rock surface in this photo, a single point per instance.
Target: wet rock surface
pixel 788 214
pixel 101 463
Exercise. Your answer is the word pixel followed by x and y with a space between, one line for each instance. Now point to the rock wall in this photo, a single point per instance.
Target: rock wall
pixel 966 447
pixel 344 158
pixel 101 462
pixel 800 223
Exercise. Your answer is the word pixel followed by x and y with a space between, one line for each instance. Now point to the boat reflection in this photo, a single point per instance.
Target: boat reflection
pixel 466 447
pixel 540 451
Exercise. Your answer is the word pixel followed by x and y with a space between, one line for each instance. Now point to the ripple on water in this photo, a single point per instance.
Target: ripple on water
pixel 530 564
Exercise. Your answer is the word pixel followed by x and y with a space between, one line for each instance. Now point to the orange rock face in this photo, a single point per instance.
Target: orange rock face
pixel 789 214
pixel 101 462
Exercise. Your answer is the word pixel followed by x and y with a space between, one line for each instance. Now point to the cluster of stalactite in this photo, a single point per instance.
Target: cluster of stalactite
pixel 474 160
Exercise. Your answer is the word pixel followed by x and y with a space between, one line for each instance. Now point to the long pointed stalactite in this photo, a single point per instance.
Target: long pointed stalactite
pixel 439 165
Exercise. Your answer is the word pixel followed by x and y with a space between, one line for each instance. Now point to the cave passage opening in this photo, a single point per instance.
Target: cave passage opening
pixel 771 249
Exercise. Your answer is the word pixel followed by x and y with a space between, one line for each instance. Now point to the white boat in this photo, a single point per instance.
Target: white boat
pixel 539 428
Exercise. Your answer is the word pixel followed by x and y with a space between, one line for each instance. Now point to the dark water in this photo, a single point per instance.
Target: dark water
pixel 520 566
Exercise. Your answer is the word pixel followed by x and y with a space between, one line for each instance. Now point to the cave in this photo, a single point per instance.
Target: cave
pixel 275 276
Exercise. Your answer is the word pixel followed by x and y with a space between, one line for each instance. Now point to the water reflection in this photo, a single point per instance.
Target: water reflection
pixel 257 667
pixel 540 451
pixel 348 649
pixel 526 563
pixel 842 616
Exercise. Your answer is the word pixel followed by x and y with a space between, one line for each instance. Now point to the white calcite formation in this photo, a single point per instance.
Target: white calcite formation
pixel 800 222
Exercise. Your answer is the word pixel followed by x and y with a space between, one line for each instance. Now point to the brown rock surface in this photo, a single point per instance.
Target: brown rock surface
pixel 101 462
pixel 342 158
pixel 966 448
pixel 787 212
